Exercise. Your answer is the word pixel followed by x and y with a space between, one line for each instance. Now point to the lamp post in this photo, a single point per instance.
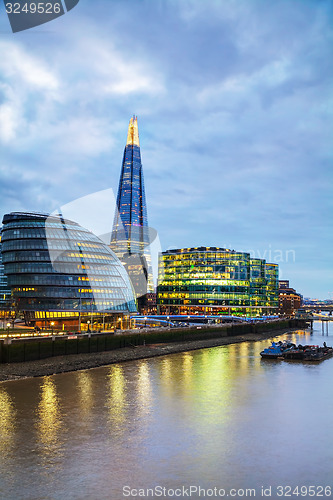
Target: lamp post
pixel 88 323
pixel 8 326
pixel 145 321
pixel 52 325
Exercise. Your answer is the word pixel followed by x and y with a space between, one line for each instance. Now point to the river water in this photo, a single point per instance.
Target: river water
pixel 214 418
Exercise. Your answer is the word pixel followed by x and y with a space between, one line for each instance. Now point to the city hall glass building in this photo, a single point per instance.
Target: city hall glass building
pixel 5 294
pixel 130 233
pixel 60 271
pixel 211 280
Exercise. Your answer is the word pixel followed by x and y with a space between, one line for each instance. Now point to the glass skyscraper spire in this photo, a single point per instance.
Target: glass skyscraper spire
pixel 130 233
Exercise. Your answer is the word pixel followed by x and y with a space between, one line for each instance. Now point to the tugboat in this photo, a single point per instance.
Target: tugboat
pixel 277 350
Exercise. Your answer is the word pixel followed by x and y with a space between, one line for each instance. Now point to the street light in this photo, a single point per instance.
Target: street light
pixel 88 323
pixel 8 326
pixel 52 325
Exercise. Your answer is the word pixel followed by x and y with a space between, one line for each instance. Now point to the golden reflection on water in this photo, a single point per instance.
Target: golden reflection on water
pixel 116 400
pixel 240 357
pixel 213 387
pixel 144 389
pixel 7 423
pixel 85 392
pixel 166 374
pixel 187 370
pixel 215 367
pixel 49 416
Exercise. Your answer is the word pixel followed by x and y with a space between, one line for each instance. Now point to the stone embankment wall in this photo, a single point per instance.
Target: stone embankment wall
pixel 17 350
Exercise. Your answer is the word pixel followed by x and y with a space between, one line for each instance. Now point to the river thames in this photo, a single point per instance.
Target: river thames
pixel 215 418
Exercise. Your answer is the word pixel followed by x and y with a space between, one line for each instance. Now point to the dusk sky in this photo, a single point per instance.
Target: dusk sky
pixel 234 105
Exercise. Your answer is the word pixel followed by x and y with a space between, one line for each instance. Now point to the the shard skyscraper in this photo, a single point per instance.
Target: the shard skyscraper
pixel 130 233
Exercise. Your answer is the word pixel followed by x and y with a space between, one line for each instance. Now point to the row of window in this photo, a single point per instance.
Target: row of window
pixel 65 280
pixel 202 295
pixel 209 302
pixel 13 234
pixel 42 224
pixel 70 305
pixel 219 268
pixel 44 256
pixel 226 303
pixel 40 267
pixel 207 275
pixel 202 288
pixel 42 244
pixel 70 293
pixel 235 256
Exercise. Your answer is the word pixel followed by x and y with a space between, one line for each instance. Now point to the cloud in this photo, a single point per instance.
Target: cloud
pixel 234 100
pixel 18 65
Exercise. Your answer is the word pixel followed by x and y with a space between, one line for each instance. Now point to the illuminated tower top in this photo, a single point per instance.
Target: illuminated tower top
pixel 133 133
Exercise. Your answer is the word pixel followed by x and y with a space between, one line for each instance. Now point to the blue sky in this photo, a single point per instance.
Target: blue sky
pixel 234 103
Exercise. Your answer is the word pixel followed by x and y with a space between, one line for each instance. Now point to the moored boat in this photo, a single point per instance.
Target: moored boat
pixel 289 351
pixel 277 350
pixel 303 352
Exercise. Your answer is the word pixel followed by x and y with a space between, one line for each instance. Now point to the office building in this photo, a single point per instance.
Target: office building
pixel 289 299
pixel 5 294
pixel 59 271
pixel 130 233
pixel 212 280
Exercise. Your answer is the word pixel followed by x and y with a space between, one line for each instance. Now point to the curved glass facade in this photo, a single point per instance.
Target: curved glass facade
pixel 54 264
pixel 5 294
pixel 216 280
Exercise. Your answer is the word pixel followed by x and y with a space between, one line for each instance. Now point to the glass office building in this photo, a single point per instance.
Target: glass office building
pixel 59 270
pixel 272 286
pixel 211 280
pixel 5 294
pixel 130 233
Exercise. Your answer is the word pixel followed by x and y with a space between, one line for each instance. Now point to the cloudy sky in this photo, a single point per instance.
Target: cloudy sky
pixel 234 103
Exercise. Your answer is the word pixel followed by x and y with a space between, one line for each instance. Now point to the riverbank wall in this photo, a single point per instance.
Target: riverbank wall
pixel 21 351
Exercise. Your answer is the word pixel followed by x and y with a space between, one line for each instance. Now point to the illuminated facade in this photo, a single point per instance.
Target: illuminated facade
pixel 130 233
pixel 272 284
pixel 56 269
pixel 210 280
pixel 5 294
pixel 289 299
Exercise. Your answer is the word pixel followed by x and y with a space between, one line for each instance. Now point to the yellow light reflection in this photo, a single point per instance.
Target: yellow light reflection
pixel 7 422
pixel 144 390
pixel 187 369
pixel 49 415
pixel 240 357
pixel 117 396
pixel 166 374
pixel 213 386
pixel 85 392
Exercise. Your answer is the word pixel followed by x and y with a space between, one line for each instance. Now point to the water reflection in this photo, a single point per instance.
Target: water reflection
pixel 49 421
pixel 166 374
pixel 85 392
pixel 7 423
pixel 116 399
pixel 213 386
pixel 144 390
pixel 214 416
pixel 187 371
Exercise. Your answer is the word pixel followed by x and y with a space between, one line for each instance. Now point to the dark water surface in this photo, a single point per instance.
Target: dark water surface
pixel 218 417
